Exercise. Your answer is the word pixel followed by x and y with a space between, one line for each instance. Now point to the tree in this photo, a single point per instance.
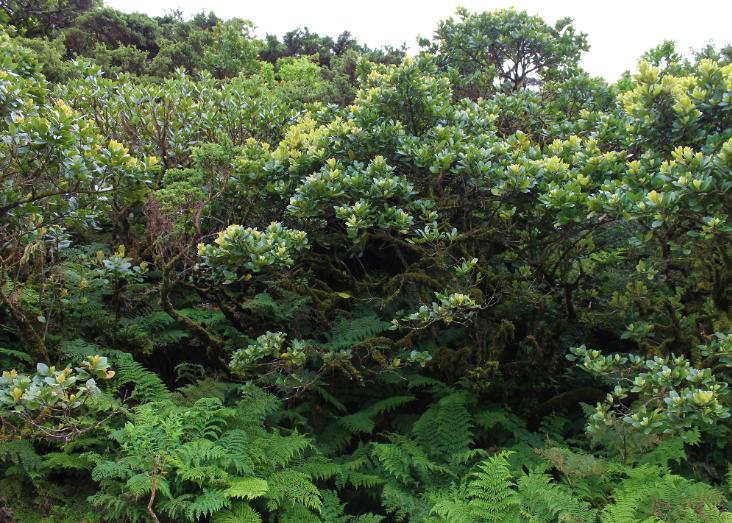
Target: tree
pixel 504 50
pixel 43 17
pixel 233 51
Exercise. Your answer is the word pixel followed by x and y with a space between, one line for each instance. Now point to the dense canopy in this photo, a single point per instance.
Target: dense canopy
pixel 302 280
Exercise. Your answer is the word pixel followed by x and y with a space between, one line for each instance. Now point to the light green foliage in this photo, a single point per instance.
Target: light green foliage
pixel 51 402
pixel 268 344
pixel 203 458
pixel 363 198
pixel 233 50
pixel 359 311
pixel 504 49
pixel 450 307
pixel 672 395
pixel 491 493
pixel 250 249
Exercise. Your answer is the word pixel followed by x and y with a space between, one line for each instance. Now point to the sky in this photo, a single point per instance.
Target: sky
pixel 619 31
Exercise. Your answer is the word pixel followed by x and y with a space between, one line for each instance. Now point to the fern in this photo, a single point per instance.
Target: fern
pixel 491 492
pixel 346 332
pixel 406 461
pixel 20 453
pixel 359 423
pixel 246 488
pixel 66 461
pixel 239 513
pixel 671 449
pixel 139 484
pixel 450 506
pixel 203 388
pixel 490 420
pixel 545 501
pixel 654 492
pixel 176 507
pixel 318 467
pixel 362 422
pixel 117 508
pixel 235 444
pixel 295 487
pixel 156 325
pixel 111 470
pixel 332 400
pixel 403 503
pixel 206 419
pixel 207 504
pixel 146 385
pixel 446 428
pixel 197 452
pixel 278 451
pixel 15 355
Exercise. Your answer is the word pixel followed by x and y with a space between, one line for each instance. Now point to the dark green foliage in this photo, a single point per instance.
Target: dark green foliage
pixel 301 280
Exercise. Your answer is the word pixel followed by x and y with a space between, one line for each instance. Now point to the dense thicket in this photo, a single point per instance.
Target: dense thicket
pixel 302 280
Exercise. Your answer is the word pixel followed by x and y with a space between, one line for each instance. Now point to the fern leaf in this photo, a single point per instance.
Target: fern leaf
pixel 111 470
pixel 445 429
pixel 20 453
pixel 293 486
pixel 246 488
pixel 544 500
pixel 358 423
pixel 139 484
pixel 491 491
pixel 239 513
pixel 147 386
pixel 207 504
pixel 17 355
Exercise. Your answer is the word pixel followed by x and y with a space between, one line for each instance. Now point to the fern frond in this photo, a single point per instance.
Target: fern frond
pixel 255 407
pixel 16 355
pixel 197 452
pixel 401 502
pixel 147 386
pixel 387 405
pixel 117 508
pixel 20 453
pixel 246 488
pixel 235 444
pixel 139 484
pixel 207 418
pixel 240 512
pixel 332 400
pixel 346 332
pixel 203 388
pixel 177 507
pixel 670 449
pixel 207 504
pixel 445 429
pixel 358 423
pixel 451 507
pixel 318 467
pixel 295 487
pixel 544 500
pixel 204 475
pixel 490 419
pixel 491 491
pixel 66 461
pixel 111 470
pixel 394 461
pixel 280 450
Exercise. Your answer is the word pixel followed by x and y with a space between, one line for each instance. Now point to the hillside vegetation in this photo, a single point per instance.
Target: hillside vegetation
pixel 302 280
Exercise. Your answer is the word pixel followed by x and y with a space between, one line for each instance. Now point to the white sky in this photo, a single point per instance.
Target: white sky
pixel 619 31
